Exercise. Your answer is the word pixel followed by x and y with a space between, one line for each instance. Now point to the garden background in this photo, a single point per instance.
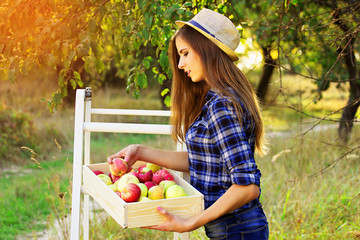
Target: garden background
pixel 302 58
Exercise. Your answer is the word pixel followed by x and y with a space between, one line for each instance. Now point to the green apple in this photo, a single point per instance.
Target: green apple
pixel 105 178
pixel 175 191
pixel 166 184
pixel 153 167
pixel 144 189
pixel 156 192
pixel 113 187
pixel 144 199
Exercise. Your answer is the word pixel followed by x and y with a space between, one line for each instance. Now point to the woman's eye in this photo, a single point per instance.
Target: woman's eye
pixel 185 54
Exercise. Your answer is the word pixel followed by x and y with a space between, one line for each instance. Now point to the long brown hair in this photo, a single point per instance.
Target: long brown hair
pixel 188 98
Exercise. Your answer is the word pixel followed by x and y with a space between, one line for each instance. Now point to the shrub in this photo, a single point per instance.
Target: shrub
pixel 16 130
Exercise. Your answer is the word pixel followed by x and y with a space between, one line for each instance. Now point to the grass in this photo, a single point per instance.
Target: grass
pixel 310 184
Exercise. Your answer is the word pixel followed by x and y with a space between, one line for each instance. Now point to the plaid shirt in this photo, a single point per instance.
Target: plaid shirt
pixel 221 152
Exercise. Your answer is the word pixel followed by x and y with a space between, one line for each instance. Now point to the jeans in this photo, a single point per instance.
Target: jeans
pixel 248 224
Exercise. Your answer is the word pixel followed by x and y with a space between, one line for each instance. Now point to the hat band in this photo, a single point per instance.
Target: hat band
pixel 196 24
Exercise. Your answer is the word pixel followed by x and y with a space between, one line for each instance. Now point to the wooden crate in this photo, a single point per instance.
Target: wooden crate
pixel 139 214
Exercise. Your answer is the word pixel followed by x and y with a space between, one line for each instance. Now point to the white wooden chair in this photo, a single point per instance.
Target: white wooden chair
pixel 81 156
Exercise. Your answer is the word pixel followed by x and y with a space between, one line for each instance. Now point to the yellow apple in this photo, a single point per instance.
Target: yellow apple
pixel 156 192
pixel 144 199
pixel 153 167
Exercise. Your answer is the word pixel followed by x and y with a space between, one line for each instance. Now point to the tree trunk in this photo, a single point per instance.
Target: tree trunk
pixel 348 114
pixel 268 70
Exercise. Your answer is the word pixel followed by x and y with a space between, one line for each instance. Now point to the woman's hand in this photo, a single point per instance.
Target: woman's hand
pixel 172 223
pixel 129 154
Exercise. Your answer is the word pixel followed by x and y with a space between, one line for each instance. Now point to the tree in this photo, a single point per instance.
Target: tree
pixel 133 36
pixel 315 39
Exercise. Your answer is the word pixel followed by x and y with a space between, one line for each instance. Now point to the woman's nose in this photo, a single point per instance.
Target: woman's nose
pixel 181 64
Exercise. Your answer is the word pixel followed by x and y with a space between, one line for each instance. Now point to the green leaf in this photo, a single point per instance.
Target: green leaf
pixel 99 64
pixel 148 20
pixel 163 59
pixel 78 80
pixel 73 83
pixel 56 98
pixel 167 101
pixel 61 77
pixel 164 92
pixel 142 4
pixel 136 93
pixel 155 70
pixel 142 80
pixel 145 33
pixel 161 78
pixel 187 4
pixel 147 62
pixel 97 49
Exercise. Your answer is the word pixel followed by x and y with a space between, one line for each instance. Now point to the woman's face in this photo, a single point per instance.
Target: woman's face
pixel 189 61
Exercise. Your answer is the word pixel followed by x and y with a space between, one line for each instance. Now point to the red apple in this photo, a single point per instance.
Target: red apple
pixel 118 166
pixel 145 174
pixel 131 192
pixel 114 178
pixel 97 172
pixel 150 184
pixel 141 167
pixel 161 175
pixel 118 193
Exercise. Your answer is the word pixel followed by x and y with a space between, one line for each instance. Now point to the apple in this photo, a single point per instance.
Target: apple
pixel 166 184
pixel 97 172
pixel 144 199
pixel 118 166
pixel 127 178
pixel 144 189
pixel 113 187
pixel 175 191
pixel 141 167
pixel 162 175
pixel 153 167
pixel 145 174
pixel 156 192
pixel 131 192
pixel 134 173
pixel 118 193
pixel 150 184
pixel 114 178
pixel 105 178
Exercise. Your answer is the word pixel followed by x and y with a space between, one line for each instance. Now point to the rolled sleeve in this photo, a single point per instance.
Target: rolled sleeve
pixel 233 143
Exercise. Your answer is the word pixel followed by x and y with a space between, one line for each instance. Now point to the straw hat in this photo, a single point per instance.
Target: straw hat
pixel 216 27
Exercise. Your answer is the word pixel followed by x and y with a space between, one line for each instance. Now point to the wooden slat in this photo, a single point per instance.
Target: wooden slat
pixel 127 128
pixel 130 112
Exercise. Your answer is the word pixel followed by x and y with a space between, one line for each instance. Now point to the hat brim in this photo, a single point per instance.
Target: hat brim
pixel 221 45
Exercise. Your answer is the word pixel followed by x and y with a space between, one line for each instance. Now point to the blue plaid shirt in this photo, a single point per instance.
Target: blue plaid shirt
pixel 221 152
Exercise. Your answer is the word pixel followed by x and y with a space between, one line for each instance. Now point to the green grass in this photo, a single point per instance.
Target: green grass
pixel 28 195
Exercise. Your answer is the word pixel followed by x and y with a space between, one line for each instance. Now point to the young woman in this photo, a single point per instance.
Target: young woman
pixel 215 111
